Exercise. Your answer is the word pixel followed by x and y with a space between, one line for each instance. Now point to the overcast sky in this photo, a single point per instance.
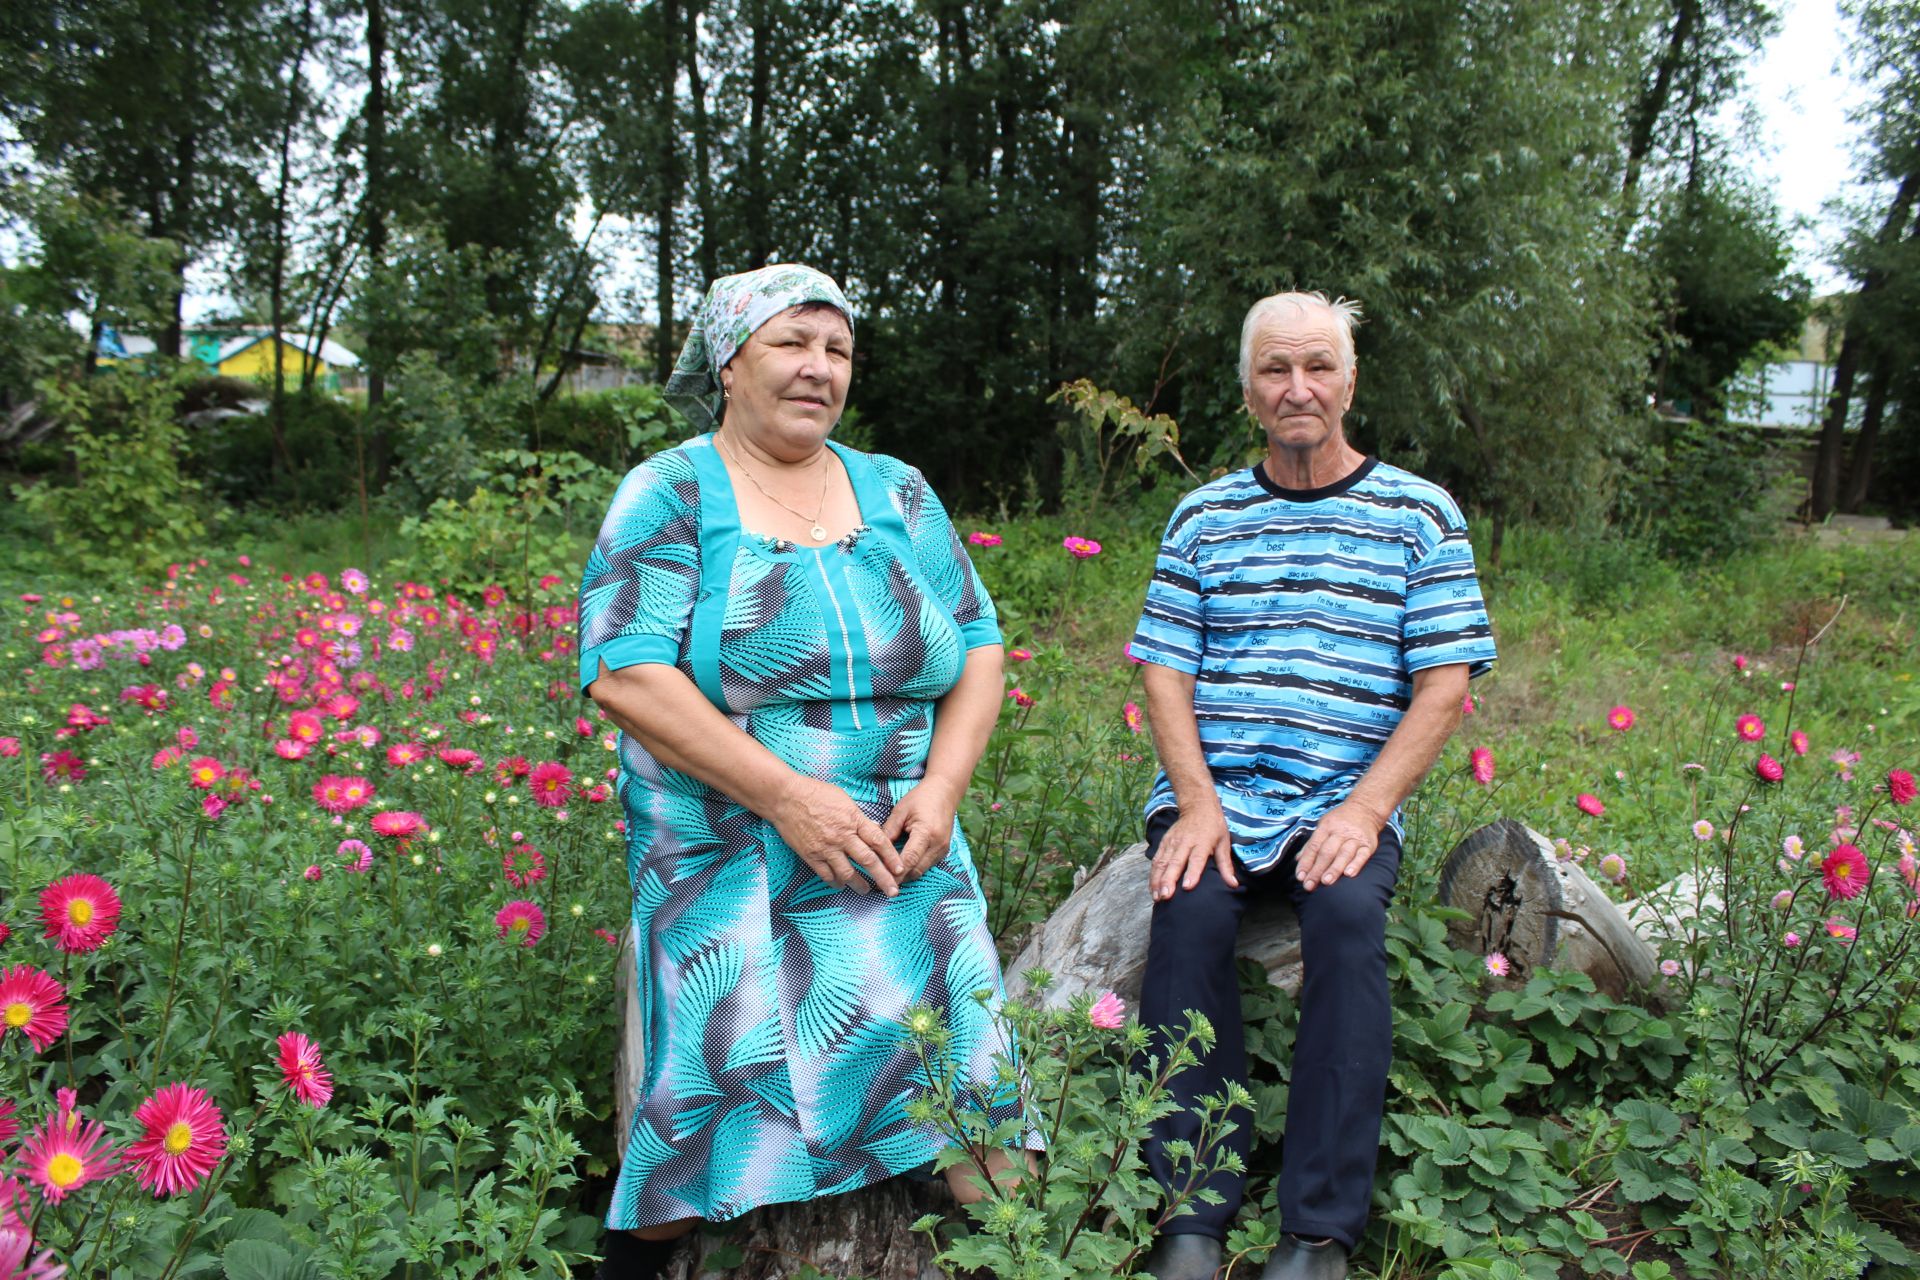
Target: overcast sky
pixel 1801 92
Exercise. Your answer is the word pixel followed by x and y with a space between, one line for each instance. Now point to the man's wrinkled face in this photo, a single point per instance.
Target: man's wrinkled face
pixel 1299 385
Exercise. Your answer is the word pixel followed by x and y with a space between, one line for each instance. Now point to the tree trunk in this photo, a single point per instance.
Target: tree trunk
pixel 669 187
pixel 708 251
pixel 374 201
pixel 1826 460
pixel 1653 103
pixel 277 280
pixel 1860 468
pixel 759 236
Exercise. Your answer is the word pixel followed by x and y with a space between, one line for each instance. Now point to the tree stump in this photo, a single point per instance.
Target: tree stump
pixel 1096 940
pixel 1541 911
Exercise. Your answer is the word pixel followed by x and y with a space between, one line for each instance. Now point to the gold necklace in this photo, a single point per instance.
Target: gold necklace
pixel 818 533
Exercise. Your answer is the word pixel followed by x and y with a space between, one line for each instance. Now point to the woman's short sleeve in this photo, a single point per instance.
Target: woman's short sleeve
pixel 943 558
pixel 644 571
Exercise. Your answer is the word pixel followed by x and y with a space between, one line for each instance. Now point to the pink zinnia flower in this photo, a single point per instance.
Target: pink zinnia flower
pixel 1081 548
pixel 33 1004
pixel 1481 762
pixel 1498 965
pixel 551 783
pixel 302 1071
pixel 1844 872
pixel 1131 714
pixel 1025 655
pixel 80 912
pixel 521 921
pixel 1900 786
pixel 1620 719
pixel 1590 804
pixel 984 539
pixel 1109 1012
pixel 1751 728
pixel 67 1152
pixel 1798 742
pixel 1768 769
pixel 183 1137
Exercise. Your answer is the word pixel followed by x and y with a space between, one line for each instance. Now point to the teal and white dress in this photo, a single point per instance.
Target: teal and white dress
pixel 776 1064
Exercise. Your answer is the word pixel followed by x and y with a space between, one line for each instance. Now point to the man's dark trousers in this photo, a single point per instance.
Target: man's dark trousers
pixel 1341 1053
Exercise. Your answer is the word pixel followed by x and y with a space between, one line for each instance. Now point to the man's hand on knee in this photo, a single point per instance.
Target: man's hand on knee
pixel 1339 846
pixel 1196 837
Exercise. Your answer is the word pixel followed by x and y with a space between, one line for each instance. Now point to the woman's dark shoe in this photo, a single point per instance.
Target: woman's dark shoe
pixel 1186 1257
pixel 1297 1259
pixel 628 1257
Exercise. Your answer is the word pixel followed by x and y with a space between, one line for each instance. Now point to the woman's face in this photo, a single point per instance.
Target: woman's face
pixel 787 385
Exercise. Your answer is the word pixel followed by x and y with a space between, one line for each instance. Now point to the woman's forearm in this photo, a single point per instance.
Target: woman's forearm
pixel 666 713
pixel 965 720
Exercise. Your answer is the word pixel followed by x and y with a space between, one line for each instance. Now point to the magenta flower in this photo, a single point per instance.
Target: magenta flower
pixel 1838 927
pixel 302 1070
pixel 1021 698
pixel 1768 769
pixel 1900 786
pixel 1844 872
pixel 1671 968
pixel 1498 965
pixel 1782 900
pixel 182 1138
pixel 1620 719
pixel 1131 714
pixel 521 921
pixel 1081 548
pixel 1750 727
pixel 1798 741
pixel 1481 759
pixel 979 539
pixel 1590 804
pixel 1108 1013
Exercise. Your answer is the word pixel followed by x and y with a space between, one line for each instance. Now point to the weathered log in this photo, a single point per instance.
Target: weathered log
pixel 1096 940
pixel 1541 911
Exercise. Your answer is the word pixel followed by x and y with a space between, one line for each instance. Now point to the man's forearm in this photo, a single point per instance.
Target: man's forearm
pixel 1430 719
pixel 1176 737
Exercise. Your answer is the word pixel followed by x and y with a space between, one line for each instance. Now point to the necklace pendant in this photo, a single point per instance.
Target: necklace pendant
pixel 817 533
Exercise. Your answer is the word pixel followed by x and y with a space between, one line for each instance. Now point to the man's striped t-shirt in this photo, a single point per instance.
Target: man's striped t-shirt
pixel 1303 614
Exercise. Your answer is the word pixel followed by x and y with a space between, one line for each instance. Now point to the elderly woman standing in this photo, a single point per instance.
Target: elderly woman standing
pixel 805 669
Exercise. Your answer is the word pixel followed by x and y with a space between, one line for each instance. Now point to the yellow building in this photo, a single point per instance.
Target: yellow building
pixel 250 355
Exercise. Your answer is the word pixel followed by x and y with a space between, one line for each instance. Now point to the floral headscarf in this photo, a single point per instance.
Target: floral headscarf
pixel 735 306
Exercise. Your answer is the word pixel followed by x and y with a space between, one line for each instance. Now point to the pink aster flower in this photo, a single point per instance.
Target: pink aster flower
pixel 1498 965
pixel 979 539
pixel 1900 786
pixel 1590 804
pixel 1020 655
pixel 182 1138
pixel 1021 698
pixel 1481 762
pixel 521 921
pixel 1844 872
pixel 1791 940
pixel 1768 769
pixel 1751 728
pixel 1109 1012
pixel 1131 714
pixel 337 794
pixel 1838 927
pixel 1794 847
pixel 1620 719
pixel 15 1264
pixel 354 581
pixel 9 747
pixel 204 772
pixel 1703 830
pixel 33 1004
pixel 355 854
pixel 1782 900
pixel 524 866
pixel 62 766
pixel 398 824
pixel 80 912
pixel 1614 867
pixel 1671 968
pixel 551 783
pixel 1739 662
pixel 313 871
pixel 67 1152
pixel 302 1070
pixel 1797 742
pixel 291 749
pixel 1466 706
pixel 406 753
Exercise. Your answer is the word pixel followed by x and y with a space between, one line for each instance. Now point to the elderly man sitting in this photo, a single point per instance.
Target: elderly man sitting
pixel 1310 629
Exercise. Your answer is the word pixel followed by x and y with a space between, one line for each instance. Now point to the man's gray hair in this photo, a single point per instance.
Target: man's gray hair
pixel 1344 310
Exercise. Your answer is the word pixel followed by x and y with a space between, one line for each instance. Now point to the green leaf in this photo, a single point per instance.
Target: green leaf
pixel 1648 1124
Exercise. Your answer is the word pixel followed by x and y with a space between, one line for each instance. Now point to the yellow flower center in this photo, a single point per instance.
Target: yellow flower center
pixel 1844 870
pixel 64 1170
pixel 80 911
pixel 179 1138
pixel 521 924
pixel 19 1013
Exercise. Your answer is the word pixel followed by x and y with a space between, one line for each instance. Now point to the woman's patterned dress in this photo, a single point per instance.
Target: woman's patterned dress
pixel 776 1065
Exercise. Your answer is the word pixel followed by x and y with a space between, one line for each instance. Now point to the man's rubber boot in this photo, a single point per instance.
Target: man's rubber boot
pixel 628 1257
pixel 1187 1257
pixel 1297 1259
